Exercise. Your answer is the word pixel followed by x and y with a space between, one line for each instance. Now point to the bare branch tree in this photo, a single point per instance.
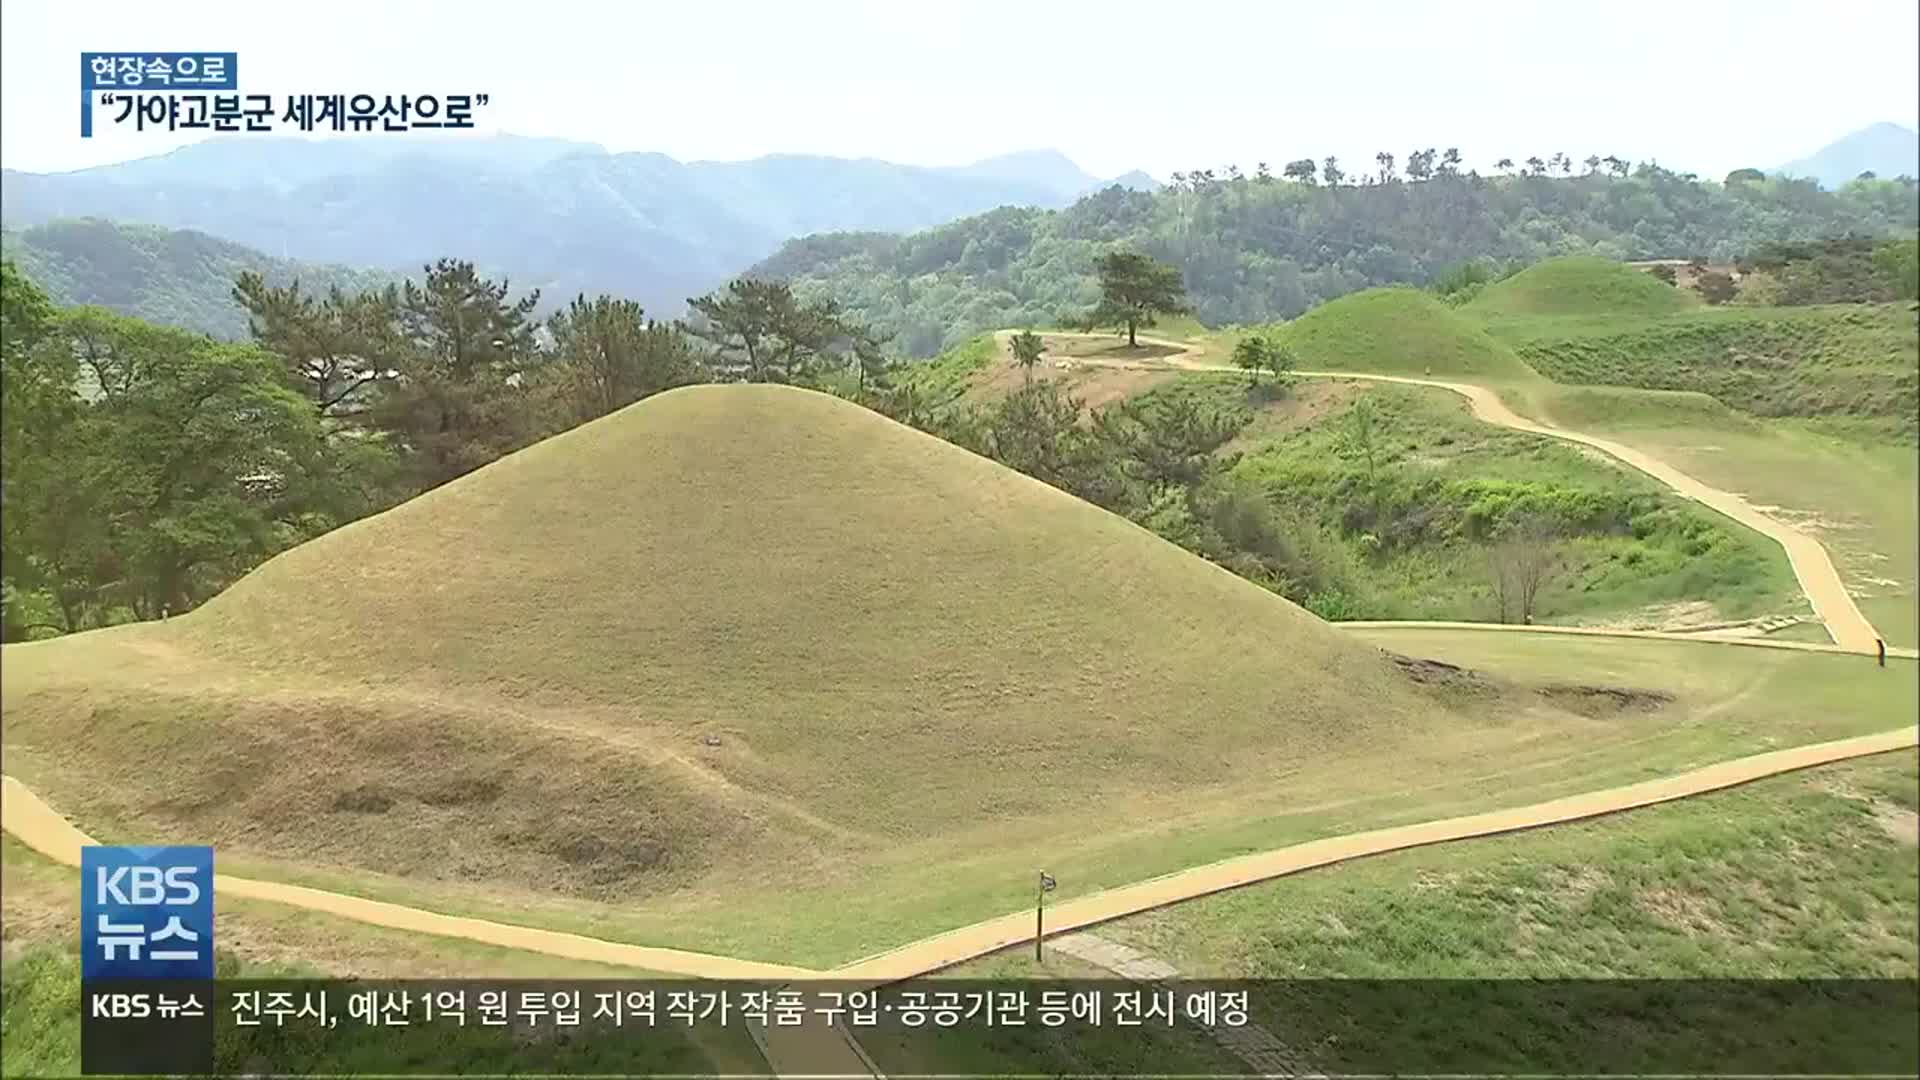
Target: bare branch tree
pixel 1524 558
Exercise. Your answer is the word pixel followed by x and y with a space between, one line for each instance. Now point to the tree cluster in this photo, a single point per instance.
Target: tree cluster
pixel 1254 248
pixel 1152 459
pixel 1837 270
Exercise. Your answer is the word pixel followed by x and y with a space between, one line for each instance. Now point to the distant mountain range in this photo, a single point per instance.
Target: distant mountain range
pixel 1887 150
pixel 564 216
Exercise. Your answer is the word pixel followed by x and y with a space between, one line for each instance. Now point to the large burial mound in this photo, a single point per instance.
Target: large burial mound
pixel 1400 331
pixel 1581 285
pixel 726 642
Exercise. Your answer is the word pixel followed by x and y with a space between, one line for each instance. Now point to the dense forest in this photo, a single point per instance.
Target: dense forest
pixel 1258 246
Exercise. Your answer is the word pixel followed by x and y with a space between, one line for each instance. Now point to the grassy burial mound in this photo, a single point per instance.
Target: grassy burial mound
pixel 1400 331
pixel 726 626
pixel 755 670
pixel 1580 285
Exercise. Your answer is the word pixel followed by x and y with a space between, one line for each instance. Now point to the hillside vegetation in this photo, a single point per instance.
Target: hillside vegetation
pixel 171 277
pixel 1842 361
pixel 1361 499
pixel 1256 248
pixel 1417 501
pixel 1594 323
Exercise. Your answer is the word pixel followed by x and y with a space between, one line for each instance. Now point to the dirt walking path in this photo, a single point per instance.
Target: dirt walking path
pixel 40 827
pixel 814 1050
pixel 1702 638
pixel 1832 604
pixel 979 939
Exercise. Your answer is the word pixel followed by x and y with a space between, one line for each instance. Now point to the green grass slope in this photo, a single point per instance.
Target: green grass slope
pixel 1807 875
pixel 1580 285
pixel 1399 331
pixel 1854 362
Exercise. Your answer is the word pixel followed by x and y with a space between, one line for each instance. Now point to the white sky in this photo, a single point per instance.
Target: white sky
pixel 1703 85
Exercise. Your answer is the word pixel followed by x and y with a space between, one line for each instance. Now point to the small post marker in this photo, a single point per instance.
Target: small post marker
pixel 1047 885
pixel 1881 644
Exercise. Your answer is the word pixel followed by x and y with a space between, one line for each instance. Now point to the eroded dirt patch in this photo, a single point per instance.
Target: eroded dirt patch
pixel 1898 822
pixel 1101 348
pixel 1305 404
pixel 1901 824
pixel 1684 911
pixel 1605 700
pixel 1432 672
pixel 1093 384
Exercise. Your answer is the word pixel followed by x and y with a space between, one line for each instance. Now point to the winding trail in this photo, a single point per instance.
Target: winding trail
pixel 37 825
pixel 818 1051
pixel 1832 604
pixel 992 935
pixel 1696 638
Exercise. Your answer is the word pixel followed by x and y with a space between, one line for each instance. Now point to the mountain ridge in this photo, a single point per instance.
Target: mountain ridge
pixel 175 277
pixel 1885 149
pixel 567 216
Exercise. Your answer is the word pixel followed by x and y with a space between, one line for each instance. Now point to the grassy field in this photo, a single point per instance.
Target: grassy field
pixel 1808 875
pixel 1481 743
pixel 40 969
pixel 1405 539
pixel 1859 495
pixel 1813 411
pixel 589 687
pixel 1849 474
pixel 1858 363
pixel 1811 875
pixel 1809 411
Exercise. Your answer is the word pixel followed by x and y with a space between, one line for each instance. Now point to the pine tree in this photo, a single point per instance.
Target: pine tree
pixel 1134 290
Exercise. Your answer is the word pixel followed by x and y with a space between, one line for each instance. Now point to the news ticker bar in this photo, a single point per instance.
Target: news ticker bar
pixel 331 1027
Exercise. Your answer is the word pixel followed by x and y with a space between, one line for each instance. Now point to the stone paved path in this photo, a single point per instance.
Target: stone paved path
pixel 1263 1052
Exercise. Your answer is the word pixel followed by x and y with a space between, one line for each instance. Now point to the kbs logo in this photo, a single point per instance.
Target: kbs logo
pixel 146 912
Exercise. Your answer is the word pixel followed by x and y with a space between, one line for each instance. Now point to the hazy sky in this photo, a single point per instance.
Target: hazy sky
pixel 1698 85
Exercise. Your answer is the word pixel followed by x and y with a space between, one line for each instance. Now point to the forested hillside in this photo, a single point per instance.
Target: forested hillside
pixel 1264 246
pixel 167 276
